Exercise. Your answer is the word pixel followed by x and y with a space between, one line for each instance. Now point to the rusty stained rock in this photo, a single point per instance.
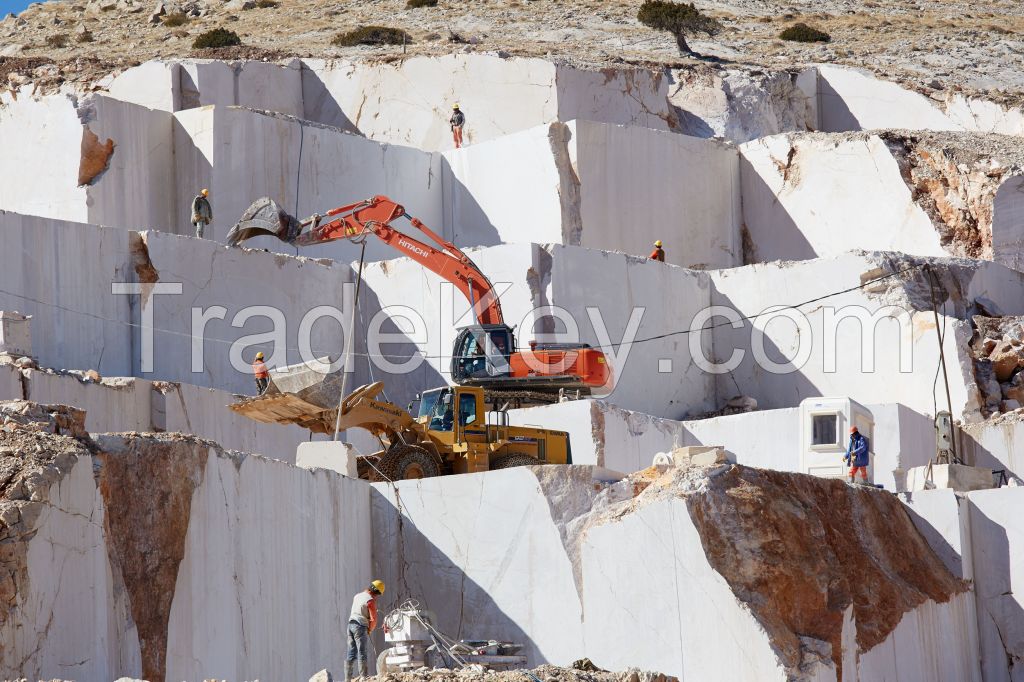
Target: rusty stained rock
pixel 954 178
pixel 95 157
pixel 799 550
pixel 145 271
pixel 559 137
pixel 147 483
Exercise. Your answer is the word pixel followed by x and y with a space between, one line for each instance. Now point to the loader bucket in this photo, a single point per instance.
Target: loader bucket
pixel 264 217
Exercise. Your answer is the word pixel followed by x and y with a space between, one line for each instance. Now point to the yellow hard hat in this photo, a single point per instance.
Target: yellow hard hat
pixel 658 243
pixel 455 106
pixel 259 356
pixel 378 585
pixel 205 192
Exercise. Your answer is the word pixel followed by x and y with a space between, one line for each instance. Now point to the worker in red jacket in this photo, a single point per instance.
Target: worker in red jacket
pixel 659 253
pixel 262 374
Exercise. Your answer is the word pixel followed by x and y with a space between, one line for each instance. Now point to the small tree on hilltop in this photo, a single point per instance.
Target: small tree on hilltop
pixel 679 19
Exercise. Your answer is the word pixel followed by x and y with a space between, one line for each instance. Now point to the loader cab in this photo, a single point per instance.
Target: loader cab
pixel 452 409
pixel 436 409
pixel 482 351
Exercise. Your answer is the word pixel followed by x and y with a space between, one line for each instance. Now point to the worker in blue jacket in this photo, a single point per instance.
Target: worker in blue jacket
pixel 857 454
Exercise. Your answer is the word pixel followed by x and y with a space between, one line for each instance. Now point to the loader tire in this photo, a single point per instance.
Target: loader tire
pixel 404 462
pixel 365 467
pixel 516 459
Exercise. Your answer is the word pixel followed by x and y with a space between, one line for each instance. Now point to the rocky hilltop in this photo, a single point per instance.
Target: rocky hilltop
pixel 929 45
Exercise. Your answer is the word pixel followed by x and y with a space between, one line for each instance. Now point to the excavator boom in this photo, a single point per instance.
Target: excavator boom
pixel 375 216
pixel 544 368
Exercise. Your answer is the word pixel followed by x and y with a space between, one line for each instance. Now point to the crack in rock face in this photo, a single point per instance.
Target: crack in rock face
pixel 95 157
pixel 800 550
pixel 147 482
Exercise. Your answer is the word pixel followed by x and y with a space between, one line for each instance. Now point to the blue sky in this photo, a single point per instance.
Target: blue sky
pixel 12 6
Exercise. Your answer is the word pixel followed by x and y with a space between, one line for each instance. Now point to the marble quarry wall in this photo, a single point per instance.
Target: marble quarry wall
pixel 105 161
pixel 377 100
pixel 793 208
pixel 975 535
pixel 589 537
pixel 564 174
pixel 63 274
pixel 995 443
pixel 564 167
pixel 306 167
pixel 60 272
pixel 852 99
pixel 177 85
pixel 380 101
pixel 781 360
pixel 407 103
pixel 696 215
pixel 996 543
pixel 175 578
pixel 605 435
pixel 171 581
pixel 930 195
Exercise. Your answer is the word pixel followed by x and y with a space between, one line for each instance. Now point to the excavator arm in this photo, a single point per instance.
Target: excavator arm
pixel 376 216
pixel 568 366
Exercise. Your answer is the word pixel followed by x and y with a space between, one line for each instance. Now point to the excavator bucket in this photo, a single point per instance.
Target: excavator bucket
pixel 264 217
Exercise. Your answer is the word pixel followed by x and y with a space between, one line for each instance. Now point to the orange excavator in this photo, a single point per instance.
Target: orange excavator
pixel 484 354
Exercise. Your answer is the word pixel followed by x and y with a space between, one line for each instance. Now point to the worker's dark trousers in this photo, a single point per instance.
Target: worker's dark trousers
pixel 358 643
pixel 261 385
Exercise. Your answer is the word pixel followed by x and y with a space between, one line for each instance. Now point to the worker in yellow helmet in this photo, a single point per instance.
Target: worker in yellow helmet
pixel 202 212
pixel 261 373
pixel 361 622
pixel 457 120
pixel 658 253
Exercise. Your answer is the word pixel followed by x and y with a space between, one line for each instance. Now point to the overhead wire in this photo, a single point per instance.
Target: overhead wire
pixel 680 332
pixel 794 306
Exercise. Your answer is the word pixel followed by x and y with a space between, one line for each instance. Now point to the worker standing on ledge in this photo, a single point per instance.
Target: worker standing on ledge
pixel 659 253
pixel 259 370
pixel 202 213
pixel 857 455
pixel 457 120
pixel 361 622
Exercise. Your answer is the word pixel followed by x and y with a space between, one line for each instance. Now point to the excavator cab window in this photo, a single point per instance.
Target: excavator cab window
pixel 480 353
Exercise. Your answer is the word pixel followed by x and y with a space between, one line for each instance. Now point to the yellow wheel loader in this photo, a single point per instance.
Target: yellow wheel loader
pixel 452 434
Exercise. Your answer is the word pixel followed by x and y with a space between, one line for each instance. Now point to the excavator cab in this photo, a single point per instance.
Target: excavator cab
pixel 482 351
